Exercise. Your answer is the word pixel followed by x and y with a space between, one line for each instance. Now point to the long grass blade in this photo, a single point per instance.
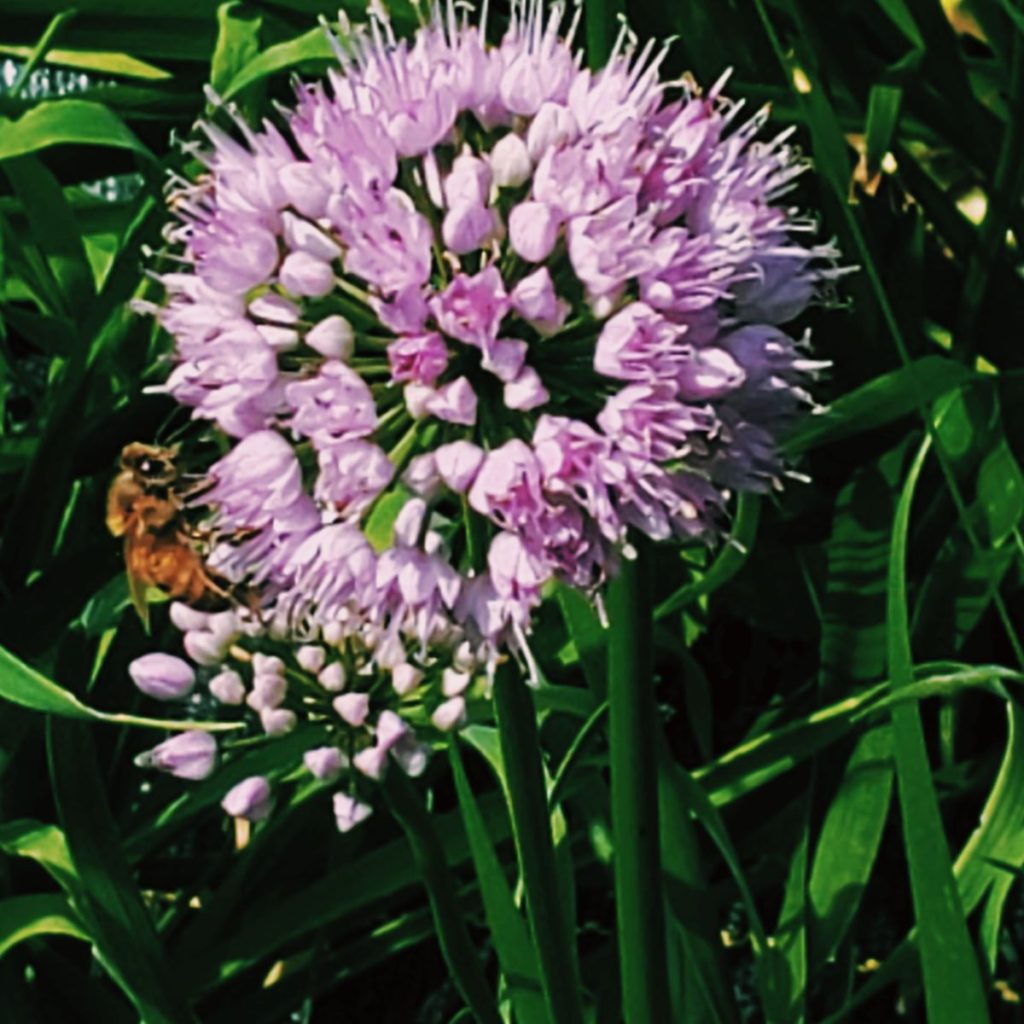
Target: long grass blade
pixel 521 753
pixel 633 725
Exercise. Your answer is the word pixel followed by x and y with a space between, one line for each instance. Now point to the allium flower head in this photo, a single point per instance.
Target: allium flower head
pixel 470 315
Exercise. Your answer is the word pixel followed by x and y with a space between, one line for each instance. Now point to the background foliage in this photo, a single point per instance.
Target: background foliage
pixel 841 779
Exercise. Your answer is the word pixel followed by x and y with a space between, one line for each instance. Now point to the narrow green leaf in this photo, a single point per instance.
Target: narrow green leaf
pixel 508 929
pixel 103 62
pixel 459 951
pixel 22 684
pixel 730 560
pixel 952 982
pixel 849 840
pixel 879 402
pixel 67 122
pixel 639 900
pixel 883 114
pixel 238 42
pixel 45 844
pixel 521 755
pixel 23 917
pixel 106 897
pixel 313 45
pixel 791 933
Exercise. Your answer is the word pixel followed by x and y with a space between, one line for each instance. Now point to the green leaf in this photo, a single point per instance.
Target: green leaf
pixel 1000 493
pixel 439 881
pixel 879 402
pixel 45 844
pixel 102 62
pixel 67 122
pixel 521 756
pixel 508 929
pixel 21 684
pixel 313 45
pixel 105 894
pixel 952 982
pixel 238 42
pixel 633 726
pixel 883 113
pixel 730 560
pixel 23 917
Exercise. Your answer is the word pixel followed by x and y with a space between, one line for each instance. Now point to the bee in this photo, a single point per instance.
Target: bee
pixel 145 506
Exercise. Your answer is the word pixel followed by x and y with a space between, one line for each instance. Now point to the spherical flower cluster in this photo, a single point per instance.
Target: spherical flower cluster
pixel 469 315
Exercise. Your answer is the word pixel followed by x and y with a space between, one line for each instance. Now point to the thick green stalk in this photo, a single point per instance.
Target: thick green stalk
pixel 449 918
pixel 634 791
pixel 531 826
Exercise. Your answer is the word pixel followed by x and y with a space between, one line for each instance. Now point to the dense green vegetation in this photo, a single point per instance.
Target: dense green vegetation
pixel 840 739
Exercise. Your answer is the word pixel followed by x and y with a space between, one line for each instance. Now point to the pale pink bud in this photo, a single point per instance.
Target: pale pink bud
pixel 332 678
pixel 468 227
pixel 250 799
pixel 303 236
pixel 304 189
pixel 411 755
pixel 189 755
pixel 268 691
pixel 186 618
pixel 405 678
pixel 277 721
pixel 227 687
pixel 454 682
pixel 454 402
pixel 203 647
pixel 311 658
pixel 533 230
pixel 469 181
pixel 553 126
pixel 390 729
pixel 303 274
pixel 267 665
pixel 510 161
pixel 162 676
pixel 527 391
pixel 458 463
pixel 449 715
pixel 349 812
pixel 371 761
pixel 325 763
pixel 333 337
pixel 352 707
pixel 421 476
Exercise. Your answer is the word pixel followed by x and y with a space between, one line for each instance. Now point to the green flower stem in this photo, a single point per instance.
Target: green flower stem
pixel 634 795
pixel 449 917
pixel 531 826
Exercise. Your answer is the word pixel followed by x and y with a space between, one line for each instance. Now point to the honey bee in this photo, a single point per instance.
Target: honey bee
pixel 145 506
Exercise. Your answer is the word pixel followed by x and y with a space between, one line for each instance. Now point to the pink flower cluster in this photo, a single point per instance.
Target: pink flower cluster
pixel 541 304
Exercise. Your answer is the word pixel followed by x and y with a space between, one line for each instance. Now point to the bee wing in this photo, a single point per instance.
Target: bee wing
pixel 137 585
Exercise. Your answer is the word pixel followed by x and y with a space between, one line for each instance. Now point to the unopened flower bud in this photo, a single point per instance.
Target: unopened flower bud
pixel 303 274
pixel 267 665
pixel 411 755
pixel 352 707
pixel 372 762
pixel 204 648
pixel 390 729
pixel 458 463
pixel 185 617
pixel 189 755
pixel 527 391
pixel 405 678
pixel 349 812
pixel 311 658
pixel 227 687
pixel 325 763
pixel 449 715
pixel 533 230
pixel 454 682
pixel 162 676
pixel 332 678
pixel 333 337
pixel 250 799
pixel 277 721
pixel 553 126
pixel 268 691
pixel 510 161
